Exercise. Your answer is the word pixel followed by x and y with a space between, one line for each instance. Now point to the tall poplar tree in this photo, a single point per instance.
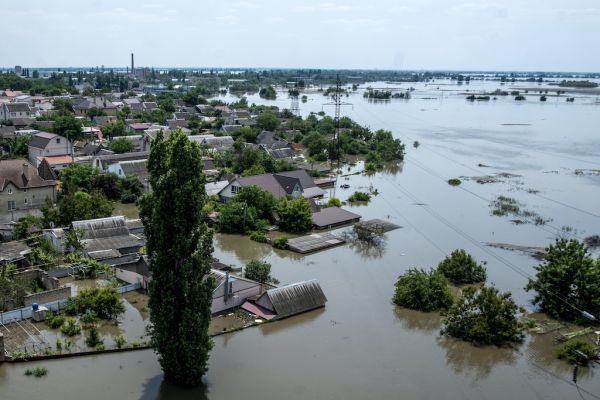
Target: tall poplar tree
pixel 180 248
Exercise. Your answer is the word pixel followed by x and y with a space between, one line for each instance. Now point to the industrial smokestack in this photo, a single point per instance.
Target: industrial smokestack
pixel 132 64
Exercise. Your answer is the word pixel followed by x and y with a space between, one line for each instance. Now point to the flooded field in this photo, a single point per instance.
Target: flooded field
pixel 361 346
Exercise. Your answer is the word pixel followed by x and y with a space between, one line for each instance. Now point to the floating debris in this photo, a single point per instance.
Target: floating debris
pixel 538 253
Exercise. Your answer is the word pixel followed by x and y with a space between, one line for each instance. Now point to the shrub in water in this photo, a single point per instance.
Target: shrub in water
pixel 71 328
pixel 424 291
pixel 55 321
pixel 258 236
pixel 461 268
pixel 359 196
pixel 577 352
pixel 281 243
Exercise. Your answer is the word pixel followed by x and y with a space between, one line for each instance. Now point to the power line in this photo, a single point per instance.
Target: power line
pixel 485 249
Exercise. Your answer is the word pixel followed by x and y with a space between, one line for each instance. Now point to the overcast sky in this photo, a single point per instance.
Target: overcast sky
pixel 549 35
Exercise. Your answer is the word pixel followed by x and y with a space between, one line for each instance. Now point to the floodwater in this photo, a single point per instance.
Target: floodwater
pixel 360 345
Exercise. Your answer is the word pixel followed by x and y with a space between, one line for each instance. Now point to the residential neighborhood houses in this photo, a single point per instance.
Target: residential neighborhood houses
pixel 71 159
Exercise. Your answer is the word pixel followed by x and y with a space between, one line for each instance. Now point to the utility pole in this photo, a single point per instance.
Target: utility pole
pixel 337 102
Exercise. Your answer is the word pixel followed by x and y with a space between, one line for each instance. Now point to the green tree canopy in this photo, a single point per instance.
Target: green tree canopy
pixel 180 249
pixel 77 177
pixel 81 205
pixel 484 316
pixel 389 148
pixel 68 126
pixel 262 201
pixel 267 121
pixel 121 145
pixel 294 215
pixel 461 268
pixel 115 129
pixel 567 281
pixel 424 291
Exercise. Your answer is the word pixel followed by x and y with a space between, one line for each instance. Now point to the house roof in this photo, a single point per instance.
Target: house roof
pixel 305 179
pixel 41 139
pixel 113 242
pixel 140 126
pixel 333 216
pixel 279 154
pixel 134 167
pixel 17 107
pixel 56 160
pixel 13 251
pixel 288 183
pixel 213 188
pixel 46 172
pixel 22 174
pixel 94 102
pixel 102 227
pixel 296 298
pixel 266 182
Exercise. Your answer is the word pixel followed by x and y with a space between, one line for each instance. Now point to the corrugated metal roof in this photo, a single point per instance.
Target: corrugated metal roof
pixel 102 227
pixel 296 298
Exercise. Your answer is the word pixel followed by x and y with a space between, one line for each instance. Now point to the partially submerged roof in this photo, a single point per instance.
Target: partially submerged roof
pixel 333 216
pixel 294 299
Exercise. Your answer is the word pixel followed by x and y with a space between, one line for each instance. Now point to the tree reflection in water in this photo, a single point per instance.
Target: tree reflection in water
pixel 418 320
pixel 465 358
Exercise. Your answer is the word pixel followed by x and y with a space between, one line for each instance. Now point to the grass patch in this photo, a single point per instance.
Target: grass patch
pixel 38 372
pixel 359 196
pixel 508 206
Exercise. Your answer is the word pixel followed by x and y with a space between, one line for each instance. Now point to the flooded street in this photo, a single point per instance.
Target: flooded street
pixel 360 346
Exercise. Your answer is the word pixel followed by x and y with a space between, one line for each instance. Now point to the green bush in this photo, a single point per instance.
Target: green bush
pixel 281 243
pixel 424 291
pixel 259 271
pixel 55 321
pixel 71 327
pixel 461 268
pixel 93 338
pixel 258 236
pixel 577 352
pixel 88 319
pixel 484 316
pixel 359 196
pixel 334 202
pixel 105 303
pixel 120 341
pixel 38 372
pixel 454 182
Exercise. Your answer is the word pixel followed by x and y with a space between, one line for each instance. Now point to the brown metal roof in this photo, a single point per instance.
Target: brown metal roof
pixel 333 216
pixel 295 298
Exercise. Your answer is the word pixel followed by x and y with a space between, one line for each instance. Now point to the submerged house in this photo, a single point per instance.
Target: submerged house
pixel 232 291
pixel 285 301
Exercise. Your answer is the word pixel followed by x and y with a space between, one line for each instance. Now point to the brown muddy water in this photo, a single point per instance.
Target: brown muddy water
pixel 360 346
